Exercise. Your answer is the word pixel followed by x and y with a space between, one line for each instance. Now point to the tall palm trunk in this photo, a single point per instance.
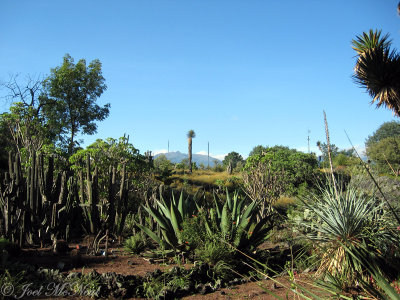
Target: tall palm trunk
pixel 190 135
pixel 190 153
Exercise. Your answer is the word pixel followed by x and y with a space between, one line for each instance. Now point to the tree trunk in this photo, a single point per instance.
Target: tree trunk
pixel 71 143
pixel 190 154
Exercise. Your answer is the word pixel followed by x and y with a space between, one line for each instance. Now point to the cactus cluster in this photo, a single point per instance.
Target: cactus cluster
pixel 37 205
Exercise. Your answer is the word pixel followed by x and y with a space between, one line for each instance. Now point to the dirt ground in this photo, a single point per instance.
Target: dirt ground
pixel 126 264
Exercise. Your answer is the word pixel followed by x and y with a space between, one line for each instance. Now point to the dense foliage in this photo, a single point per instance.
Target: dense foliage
pixel 387 129
pixel 298 167
pixel 382 148
pixel 232 159
pixel 257 150
pixel 70 94
pixel 163 166
pixel 386 155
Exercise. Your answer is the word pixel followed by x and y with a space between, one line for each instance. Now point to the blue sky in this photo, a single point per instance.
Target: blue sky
pixel 239 73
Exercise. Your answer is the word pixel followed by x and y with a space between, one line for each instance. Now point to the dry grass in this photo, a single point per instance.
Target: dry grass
pixel 206 177
pixel 284 201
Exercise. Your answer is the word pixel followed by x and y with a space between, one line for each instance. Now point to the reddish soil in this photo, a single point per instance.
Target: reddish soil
pixel 118 261
pixel 126 264
pixel 257 290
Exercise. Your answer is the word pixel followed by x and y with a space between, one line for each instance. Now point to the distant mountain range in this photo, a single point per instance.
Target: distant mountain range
pixel 177 157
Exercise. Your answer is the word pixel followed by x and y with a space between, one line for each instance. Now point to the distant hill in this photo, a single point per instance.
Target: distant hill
pixel 177 157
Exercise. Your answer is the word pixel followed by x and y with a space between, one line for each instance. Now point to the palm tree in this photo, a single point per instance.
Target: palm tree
pixel 378 69
pixel 190 135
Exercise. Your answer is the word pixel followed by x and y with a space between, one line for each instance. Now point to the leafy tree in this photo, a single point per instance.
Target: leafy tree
pixel 262 183
pixel 232 158
pixel 70 93
pixel 5 145
pixel 345 159
pixel 258 150
pixel 386 154
pixel 387 129
pixel 217 166
pixel 323 147
pixel 298 167
pixel 163 165
pixel 183 164
pixel 378 69
pixel 190 135
pixel 340 158
pixel 347 152
pixel 26 126
pixel 112 153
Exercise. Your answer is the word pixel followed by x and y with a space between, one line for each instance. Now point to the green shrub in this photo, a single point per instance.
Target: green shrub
pixel 90 282
pixel 13 249
pixel 299 168
pixel 16 281
pixel 215 251
pixel 223 270
pixel 158 287
pixel 135 244
pixel 3 243
pixel 193 231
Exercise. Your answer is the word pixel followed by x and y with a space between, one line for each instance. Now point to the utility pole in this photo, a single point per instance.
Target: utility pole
pixel 168 146
pixel 308 140
pixel 208 155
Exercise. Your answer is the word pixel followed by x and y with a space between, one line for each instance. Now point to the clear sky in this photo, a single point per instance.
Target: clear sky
pixel 239 73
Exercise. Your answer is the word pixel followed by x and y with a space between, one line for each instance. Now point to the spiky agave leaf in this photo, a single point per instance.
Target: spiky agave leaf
pixel 234 220
pixel 169 215
pixel 164 210
pixel 254 235
pixel 160 219
pixel 248 214
pixel 151 234
pixel 224 224
pixel 181 206
pixel 176 221
pixel 218 207
pixel 236 206
pixel 384 290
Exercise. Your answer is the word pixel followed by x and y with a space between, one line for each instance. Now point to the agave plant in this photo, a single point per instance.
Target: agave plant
pixel 169 215
pixel 237 223
pixel 346 220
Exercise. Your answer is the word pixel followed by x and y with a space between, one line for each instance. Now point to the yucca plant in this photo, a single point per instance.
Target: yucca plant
pixel 169 215
pixel 343 220
pixel 378 69
pixel 237 223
